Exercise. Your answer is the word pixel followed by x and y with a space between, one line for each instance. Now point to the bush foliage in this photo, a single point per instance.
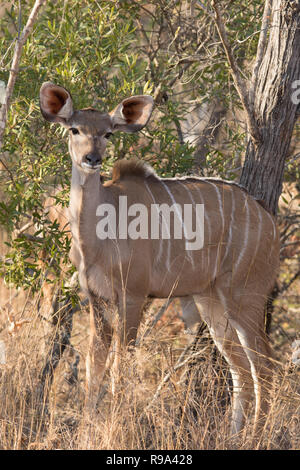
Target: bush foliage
pixel 103 52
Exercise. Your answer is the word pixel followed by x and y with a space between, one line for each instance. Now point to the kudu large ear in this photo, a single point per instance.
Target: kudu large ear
pixel 55 103
pixel 132 114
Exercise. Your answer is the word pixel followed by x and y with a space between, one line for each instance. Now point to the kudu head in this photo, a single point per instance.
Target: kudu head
pixel 89 129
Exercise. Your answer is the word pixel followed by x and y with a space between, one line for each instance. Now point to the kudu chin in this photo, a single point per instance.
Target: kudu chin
pixel 229 277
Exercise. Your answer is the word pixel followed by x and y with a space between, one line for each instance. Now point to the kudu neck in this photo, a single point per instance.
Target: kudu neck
pixel 84 181
pixel 84 200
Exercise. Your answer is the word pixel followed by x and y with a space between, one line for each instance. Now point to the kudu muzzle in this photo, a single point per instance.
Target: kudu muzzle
pixel 92 161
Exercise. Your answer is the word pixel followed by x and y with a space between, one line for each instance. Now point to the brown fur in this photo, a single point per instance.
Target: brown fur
pixel 133 168
pixel 229 277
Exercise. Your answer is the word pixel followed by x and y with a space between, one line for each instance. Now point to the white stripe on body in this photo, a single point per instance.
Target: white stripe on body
pixel 274 232
pixel 223 226
pixel 246 237
pixel 206 217
pixel 180 217
pixel 194 204
pixel 230 224
pixel 258 231
pixel 158 257
pixel 273 225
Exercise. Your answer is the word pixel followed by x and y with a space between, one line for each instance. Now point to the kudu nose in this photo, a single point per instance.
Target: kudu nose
pixel 93 159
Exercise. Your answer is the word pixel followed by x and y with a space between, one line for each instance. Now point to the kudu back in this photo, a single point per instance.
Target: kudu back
pixel 229 276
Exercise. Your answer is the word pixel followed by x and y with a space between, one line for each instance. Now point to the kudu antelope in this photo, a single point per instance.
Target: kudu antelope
pixel 229 277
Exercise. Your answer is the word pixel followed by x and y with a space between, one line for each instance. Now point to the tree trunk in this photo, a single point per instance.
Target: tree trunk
pixel 274 110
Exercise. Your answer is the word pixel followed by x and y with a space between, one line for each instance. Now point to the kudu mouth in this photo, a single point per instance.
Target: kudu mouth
pixel 91 162
pixel 90 167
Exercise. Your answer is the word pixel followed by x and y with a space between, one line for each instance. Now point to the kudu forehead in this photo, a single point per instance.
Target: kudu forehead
pixel 91 121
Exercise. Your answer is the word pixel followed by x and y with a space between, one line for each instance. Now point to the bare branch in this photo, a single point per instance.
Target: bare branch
pixel 203 7
pixel 182 361
pixel 156 319
pixel 20 41
pixel 292 160
pixel 20 231
pixel 239 82
pixel 285 286
pixel 64 312
pixel 5 166
pixel 260 49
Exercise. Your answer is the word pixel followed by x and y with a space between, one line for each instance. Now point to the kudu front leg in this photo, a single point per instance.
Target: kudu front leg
pixel 99 345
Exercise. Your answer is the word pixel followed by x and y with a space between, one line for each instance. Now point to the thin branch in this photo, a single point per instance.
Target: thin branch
pixel 6 167
pixel 239 82
pixel 203 7
pixel 186 65
pixel 241 41
pixel 182 361
pixel 261 47
pixel 293 160
pixel 6 53
pixel 144 9
pixel 289 244
pixel 20 231
pixel 286 285
pixel 16 63
pixel 285 235
pixel 155 320
pixel 32 238
pixel 19 20
pixel 61 341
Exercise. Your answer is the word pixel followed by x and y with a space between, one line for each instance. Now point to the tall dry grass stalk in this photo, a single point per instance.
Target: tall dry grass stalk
pixel 191 410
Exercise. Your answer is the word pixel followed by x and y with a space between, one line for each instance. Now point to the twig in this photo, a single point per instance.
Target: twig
pixel 241 41
pixel 239 82
pixel 293 160
pixel 289 244
pixel 285 235
pixel 6 167
pixel 286 285
pixel 203 7
pixel 260 49
pixel 18 232
pixel 59 344
pixel 155 320
pixel 180 363
pixel 191 348
pixel 61 340
pixel 32 238
pixel 144 9
pixel 16 63
pixel 6 53
pixel 19 20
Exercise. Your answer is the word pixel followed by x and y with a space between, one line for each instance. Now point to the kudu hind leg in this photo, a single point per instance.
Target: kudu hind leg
pixel 245 312
pixel 240 370
pixel 99 345
pixel 258 351
pixel 227 341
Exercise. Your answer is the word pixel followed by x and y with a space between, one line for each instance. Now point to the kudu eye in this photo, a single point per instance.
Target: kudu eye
pixel 108 135
pixel 74 130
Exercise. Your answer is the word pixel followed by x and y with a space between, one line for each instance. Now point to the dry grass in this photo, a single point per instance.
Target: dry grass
pixel 192 410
